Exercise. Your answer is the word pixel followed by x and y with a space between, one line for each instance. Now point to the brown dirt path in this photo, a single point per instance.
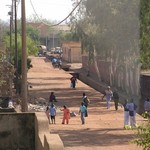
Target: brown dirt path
pixel 103 129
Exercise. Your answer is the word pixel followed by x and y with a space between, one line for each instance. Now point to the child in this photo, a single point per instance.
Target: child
pixel 66 115
pixel 47 113
pixel 82 111
pixel 52 98
pixel 52 113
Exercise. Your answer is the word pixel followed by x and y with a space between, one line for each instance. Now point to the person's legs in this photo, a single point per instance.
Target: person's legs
pixel 82 118
pixel 116 105
pixel 73 84
pixel 134 120
pixel 54 119
pixel 108 104
pixel 131 121
pixel 63 121
pixel 67 120
pixel 126 118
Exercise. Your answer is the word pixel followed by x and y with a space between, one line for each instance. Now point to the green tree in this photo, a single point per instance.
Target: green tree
pixel 145 33
pixel 32 40
pixel 143 133
pixel 109 33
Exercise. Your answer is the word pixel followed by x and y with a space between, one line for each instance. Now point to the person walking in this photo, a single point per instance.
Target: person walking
pixel 86 102
pixel 82 112
pixel 126 114
pixel 116 99
pixel 108 94
pixel 73 81
pixel 66 114
pixel 52 98
pixel 132 113
pixel 52 111
pixel 47 114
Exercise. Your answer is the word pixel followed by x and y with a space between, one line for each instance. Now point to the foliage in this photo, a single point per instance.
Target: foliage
pixel 32 40
pixel 144 134
pixel 29 65
pixel 68 36
pixel 99 26
pixel 109 33
pixel 145 33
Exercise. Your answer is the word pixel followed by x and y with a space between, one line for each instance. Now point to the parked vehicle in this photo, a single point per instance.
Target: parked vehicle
pixel 58 50
pixel 52 50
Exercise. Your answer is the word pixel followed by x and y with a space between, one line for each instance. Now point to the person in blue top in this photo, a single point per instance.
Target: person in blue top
pixel 54 62
pixel 82 111
pixel 52 111
pixel 108 94
pixel 132 112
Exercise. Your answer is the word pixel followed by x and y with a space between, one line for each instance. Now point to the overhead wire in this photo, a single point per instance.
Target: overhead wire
pixel 58 22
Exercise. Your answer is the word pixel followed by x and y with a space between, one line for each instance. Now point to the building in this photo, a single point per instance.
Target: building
pixel 72 52
pixel 48 34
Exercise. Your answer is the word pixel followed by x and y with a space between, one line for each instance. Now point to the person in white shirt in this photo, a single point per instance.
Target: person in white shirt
pixel 126 113
pixel 108 94
pixel 132 113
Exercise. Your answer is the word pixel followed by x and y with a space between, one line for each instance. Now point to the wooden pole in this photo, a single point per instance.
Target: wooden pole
pixel 24 105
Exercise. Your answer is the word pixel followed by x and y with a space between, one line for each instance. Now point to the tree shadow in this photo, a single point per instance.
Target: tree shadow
pixel 95 137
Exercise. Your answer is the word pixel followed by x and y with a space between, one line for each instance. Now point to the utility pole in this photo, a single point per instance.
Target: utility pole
pixel 10 36
pixel 10 13
pixel 16 50
pixel 10 49
pixel 24 106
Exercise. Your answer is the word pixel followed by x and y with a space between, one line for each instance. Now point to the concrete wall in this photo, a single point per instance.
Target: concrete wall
pixel 145 89
pixel 17 131
pixel 72 52
pixel 27 131
pixel 99 86
pixel 43 139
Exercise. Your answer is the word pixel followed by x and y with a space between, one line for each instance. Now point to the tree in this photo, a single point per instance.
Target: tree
pixel 143 133
pixel 32 42
pixel 109 33
pixel 145 33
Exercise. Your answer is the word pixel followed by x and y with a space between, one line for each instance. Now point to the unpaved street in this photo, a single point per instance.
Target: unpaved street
pixel 103 129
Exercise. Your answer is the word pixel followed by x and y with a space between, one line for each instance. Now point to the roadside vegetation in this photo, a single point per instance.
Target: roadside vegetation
pixel 143 133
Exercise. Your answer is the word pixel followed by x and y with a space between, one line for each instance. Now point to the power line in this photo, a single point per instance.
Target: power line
pixel 58 22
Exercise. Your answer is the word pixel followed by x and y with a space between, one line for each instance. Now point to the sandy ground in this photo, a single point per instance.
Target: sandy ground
pixel 103 129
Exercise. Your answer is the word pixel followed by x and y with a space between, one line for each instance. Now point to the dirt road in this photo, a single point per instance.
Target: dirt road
pixel 103 129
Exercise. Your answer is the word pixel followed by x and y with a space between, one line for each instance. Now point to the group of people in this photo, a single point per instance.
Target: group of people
pixel 83 111
pixel 129 113
pixel 51 114
pixel 111 95
pixel 129 107
pixel 51 110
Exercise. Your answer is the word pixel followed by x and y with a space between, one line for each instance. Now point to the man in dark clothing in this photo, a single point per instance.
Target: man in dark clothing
pixel 116 99
pixel 52 97
pixel 73 81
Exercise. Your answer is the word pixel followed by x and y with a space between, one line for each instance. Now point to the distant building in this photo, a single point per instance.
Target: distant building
pixel 49 35
pixel 72 52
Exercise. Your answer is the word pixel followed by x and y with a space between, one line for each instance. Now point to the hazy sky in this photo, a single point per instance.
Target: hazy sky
pixel 48 9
